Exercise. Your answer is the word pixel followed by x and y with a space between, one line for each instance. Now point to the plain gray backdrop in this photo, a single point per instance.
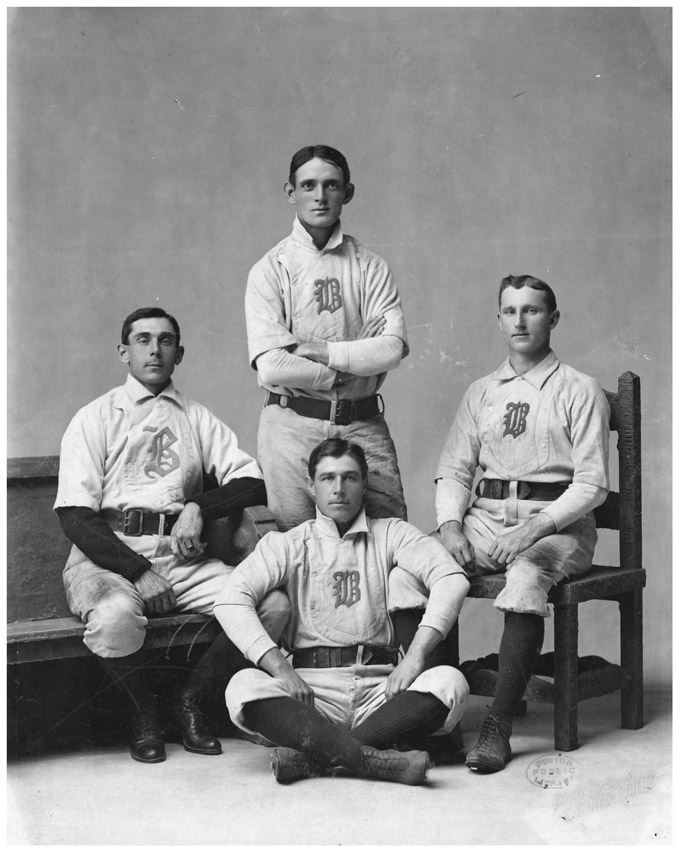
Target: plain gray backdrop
pixel 147 154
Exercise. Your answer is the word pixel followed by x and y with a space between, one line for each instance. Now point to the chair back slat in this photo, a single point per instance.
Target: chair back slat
pixel 629 455
pixel 608 514
pixel 622 509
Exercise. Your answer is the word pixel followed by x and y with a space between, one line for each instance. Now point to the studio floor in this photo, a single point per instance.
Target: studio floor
pixel 616 789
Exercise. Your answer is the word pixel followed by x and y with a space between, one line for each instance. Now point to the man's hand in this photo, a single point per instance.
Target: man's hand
pixel 314 352
pixel 371 328
pixel 405 673
pixel 156 591
pixel 457 545
pixel 185 538
pixel 296 686
pixel 507 547
pixel 279 668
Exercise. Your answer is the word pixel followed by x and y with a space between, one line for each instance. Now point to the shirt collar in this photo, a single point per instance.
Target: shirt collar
pixel 537 376
pixel 138 392
pixel 301 235
pixel 328 527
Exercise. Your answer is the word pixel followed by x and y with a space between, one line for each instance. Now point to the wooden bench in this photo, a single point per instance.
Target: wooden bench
pixel 40 626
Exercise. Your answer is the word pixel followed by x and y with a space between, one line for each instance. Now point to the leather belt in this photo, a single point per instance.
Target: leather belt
pixel 330 656
pixel 498 490
pixel 139 522
pixel 340 412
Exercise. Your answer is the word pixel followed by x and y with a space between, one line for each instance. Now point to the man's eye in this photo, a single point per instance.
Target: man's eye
pixel 167 342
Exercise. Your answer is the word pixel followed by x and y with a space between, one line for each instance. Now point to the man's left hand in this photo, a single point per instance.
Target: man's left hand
pixel 507 547
pixel 313 351
pixel 405 673
pixel 185 539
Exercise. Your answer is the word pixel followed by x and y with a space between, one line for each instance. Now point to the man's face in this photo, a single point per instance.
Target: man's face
pixel 338 488
pixel 319 193
pixel 525 321
pixel 151 352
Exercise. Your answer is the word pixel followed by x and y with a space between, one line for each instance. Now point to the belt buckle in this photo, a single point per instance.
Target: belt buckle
pixel 129 514
pixel 342 419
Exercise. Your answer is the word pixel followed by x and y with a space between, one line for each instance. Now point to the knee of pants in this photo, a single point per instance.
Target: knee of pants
pixel 274 611
pixel 115 626
pixel 406 592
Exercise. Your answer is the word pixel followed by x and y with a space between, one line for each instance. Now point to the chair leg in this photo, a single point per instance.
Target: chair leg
pixel 632 659
pixel 566 677
pixel 453 645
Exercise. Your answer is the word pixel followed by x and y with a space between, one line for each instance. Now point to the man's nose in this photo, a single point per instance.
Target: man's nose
pixel 520 321
pixel 320 193
pixel 338 486
pixel 154 345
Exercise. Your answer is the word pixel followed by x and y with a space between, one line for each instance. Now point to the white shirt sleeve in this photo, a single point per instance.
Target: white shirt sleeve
pixel 366 357
pixel 280 367
pixel 236 605
pixel 575 503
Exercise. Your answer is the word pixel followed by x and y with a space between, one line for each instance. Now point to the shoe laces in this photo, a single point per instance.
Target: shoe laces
pixel 490 728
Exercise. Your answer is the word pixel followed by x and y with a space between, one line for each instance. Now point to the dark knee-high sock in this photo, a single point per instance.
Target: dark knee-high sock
pixel 406 623
pixel 408 716
pixel 519 651
pixel 214 669
pixel 130 678
pixel 287 722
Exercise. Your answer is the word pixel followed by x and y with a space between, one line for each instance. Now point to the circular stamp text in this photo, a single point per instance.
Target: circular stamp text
pixel 556 771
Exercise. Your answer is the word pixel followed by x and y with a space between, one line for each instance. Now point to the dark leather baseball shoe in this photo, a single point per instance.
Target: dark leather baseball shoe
pixel 492 750
pixel 194 733
pixel 290 765
pixel 408 768
pixel 146 740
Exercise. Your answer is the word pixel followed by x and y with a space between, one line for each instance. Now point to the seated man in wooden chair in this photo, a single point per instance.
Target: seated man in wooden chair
pixel 539 431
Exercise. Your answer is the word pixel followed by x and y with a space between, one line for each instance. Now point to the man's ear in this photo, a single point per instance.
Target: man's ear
pixel 310 486
pixel 123 353
pixel 348 193
pixel 179 355
pixel 289 190
pixel 554 318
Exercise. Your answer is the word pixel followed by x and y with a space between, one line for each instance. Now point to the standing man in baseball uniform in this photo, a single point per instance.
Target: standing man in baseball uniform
pixel 131 500
pixel 343 699
pixel 325 325
pixel 539 432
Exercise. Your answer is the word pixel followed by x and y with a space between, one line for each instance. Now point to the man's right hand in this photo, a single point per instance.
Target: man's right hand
pixel 457 545
pixel 157 592
pixel 279 668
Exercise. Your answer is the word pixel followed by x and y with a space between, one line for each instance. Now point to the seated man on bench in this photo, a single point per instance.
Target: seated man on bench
pixel 343 698
pixel 539 432
pixel 131 500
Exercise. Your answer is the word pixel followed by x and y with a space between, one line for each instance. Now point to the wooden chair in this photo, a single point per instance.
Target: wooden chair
pixel 575 679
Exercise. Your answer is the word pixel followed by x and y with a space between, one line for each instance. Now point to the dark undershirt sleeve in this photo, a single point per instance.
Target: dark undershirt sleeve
pixel 89 532
pixel 234 495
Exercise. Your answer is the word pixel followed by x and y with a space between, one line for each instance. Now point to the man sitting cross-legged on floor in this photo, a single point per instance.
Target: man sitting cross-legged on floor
pixel 343 699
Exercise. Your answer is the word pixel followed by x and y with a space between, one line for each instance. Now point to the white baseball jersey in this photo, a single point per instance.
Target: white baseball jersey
pixel 337 585
pixel 130 449
pixel 549 425
pixel 298 293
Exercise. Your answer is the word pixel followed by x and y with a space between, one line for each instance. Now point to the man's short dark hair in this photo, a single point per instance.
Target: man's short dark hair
pixel 519 281
pixel 337 447
pixel 324 152
pixel 142 314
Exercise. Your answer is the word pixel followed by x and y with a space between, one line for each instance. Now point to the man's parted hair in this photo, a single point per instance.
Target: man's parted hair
pixel 335 448
pixel 323 152
pixel 519 281
pixel 142 314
